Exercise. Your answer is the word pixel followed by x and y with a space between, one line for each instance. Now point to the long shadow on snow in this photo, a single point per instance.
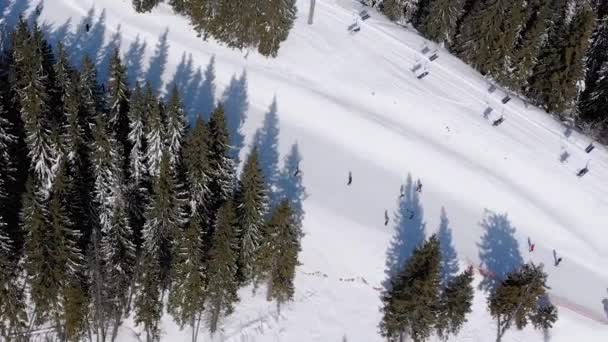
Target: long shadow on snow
pixel 158 63
pixel 236 103
pixel 498 250
pixel 290 185
pixel 409 231
pixel 133 60
pixel 449 257
pixel 12 14
pixel 266 139
pixel 198 93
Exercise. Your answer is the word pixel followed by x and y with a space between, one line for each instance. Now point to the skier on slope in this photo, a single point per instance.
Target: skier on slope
pixel 419 186
pixel 556 259
pixel 386 219
pixel 531 246
pixel 350 178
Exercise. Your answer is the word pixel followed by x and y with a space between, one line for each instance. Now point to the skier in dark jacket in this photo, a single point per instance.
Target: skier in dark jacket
pixel 386 219
pixel 350 178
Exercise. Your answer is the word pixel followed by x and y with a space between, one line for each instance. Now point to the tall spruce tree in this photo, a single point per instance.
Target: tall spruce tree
pixel 441 22
pixel 489 33
pixel 410 306
pixel 118 106
pixel 595 60
pixel 394 9
pixel 278 256
pixel 222 283
pixel 517 300
pixel 274 24
pixel 176 124
pixel 164 217
pixel 138 181
pixel 145 5
pixel 455 303
pixel 560 65
pixel 155 133
pixel 118 253
pixel 188 292
pixel 28 76
pixel 202 14
pixel 221 167
pixel 148 305
pixel 197 167
pixel 594 108
pixel 251 207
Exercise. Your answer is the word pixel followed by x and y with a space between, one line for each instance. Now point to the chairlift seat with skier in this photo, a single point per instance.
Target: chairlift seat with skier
pixel 582 172
pixel 590 148
pixel 499 121
pixel 433 57
pixel 423 75
pixel 364 15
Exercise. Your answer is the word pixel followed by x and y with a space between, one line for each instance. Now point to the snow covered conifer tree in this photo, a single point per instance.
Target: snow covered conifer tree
pixel 155 133
pixel 394 9
pixel 455 303
pixel 197 167
pixel 595 60
pixel 278 256
pixel 441 22
pixel 221 167
pixel 176 125
pixel 274 25
pixel 28 76
pixel 251 207
pixel 222 284
pixel 517 300
pixel 118 105
pixel 164 217
pixel 188 292
pixel 410 305
pixel 148 305
pixel 118 253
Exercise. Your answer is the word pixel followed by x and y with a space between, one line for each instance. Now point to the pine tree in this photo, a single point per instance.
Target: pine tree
pixel 176 123
pixel 394 9
pixel 236 23
pixel 410 306
pixel 278 257
pixel 148 305
pixel 164 217
pixel 188 293
pixel 118 105
pixel 52 256
pixel 440 25
pixel 455 303
pixel 145 5
pixel 252 202
pixel 197 166
pixel 532 39
pixel 118 255
pixel 179 6
pixel 595 60
pixel 202 13
pixel 137 184
pixel 30 81
pixel 155 133
pixel 222 284
pixel 489 33
pixel 12 303
pixel 517 299
pixel 560 66
pixel 417 12
pixel 594 108
pixel 221 167
pixel 274 24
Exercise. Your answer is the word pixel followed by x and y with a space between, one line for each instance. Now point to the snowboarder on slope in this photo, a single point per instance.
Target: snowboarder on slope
pixel 350 178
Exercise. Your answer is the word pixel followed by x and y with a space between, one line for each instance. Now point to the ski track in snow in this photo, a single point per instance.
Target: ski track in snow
pixel 352 102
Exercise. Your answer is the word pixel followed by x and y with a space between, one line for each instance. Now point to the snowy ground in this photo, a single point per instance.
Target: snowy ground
pixel 352 103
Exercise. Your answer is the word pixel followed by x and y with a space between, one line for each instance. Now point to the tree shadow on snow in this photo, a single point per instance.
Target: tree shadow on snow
pixel 105 57
pixel 498 250
pixel 158 63
pixel 605 304
pixel 449 257
pixel 236 103
pixel 133 61
pixel 409 231
pixel 12 11
pixel 266 139
pixel 290 185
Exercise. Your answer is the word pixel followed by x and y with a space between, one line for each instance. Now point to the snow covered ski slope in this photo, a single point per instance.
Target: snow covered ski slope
pixel 351 102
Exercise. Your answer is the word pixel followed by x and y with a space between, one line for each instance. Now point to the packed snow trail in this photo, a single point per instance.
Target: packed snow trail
pixel 352 103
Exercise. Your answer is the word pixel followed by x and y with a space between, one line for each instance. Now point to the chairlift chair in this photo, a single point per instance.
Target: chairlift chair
pixel 364 15
pixel 423 75
pixel 434 56
pixel 506 99
pixel 590 148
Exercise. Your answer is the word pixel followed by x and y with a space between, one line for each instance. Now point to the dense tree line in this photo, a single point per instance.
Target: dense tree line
pixel 554 52
pixel 241 24
pixel 111 205
pixel 419 304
